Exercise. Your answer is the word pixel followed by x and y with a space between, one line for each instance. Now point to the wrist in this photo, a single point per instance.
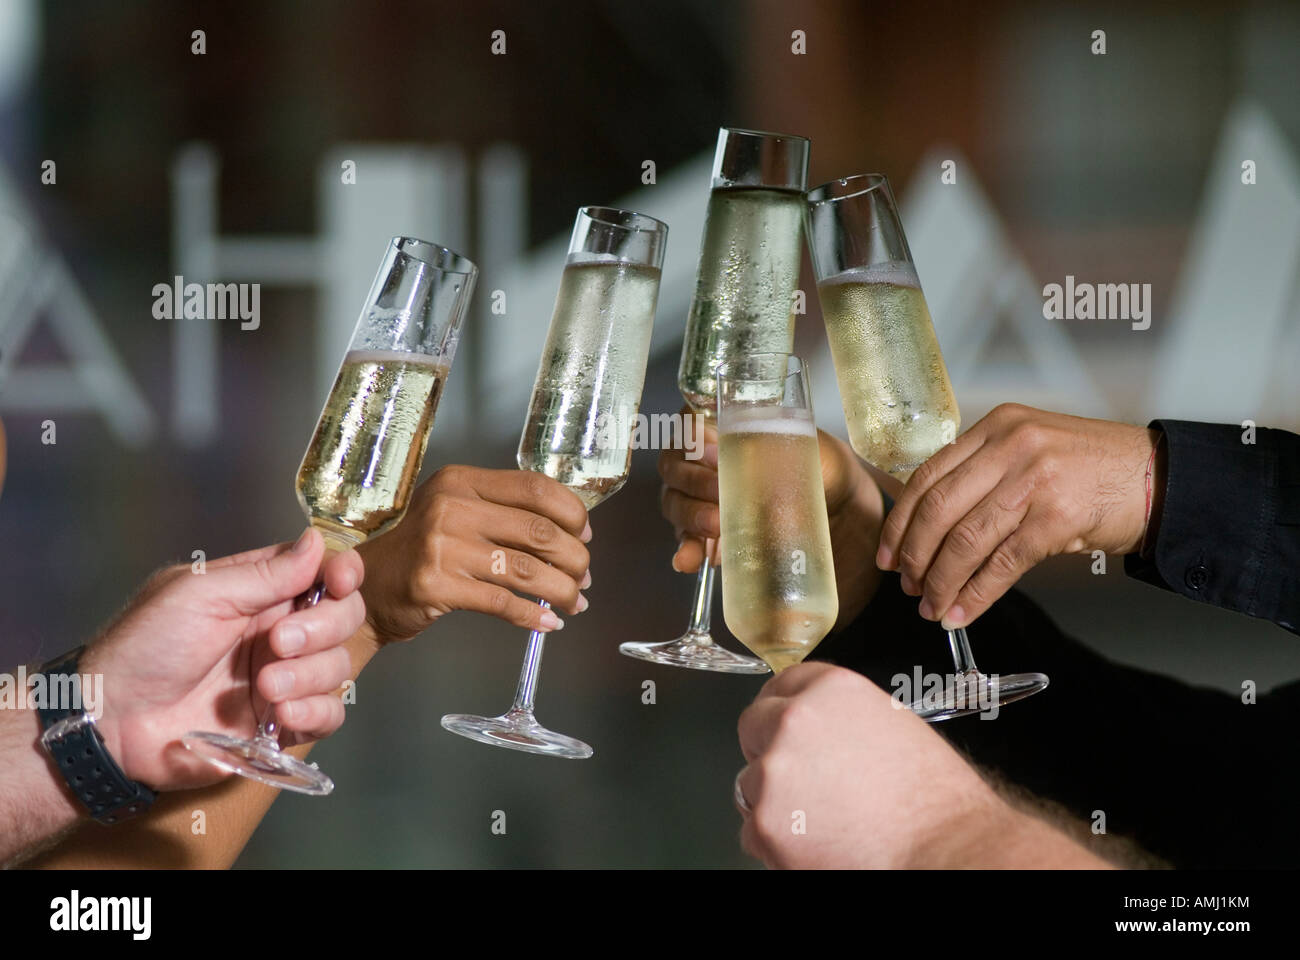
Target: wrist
pixel 375 632
pixel 364 644
pixel 969 836
pixel 1155 494
pixel 35 771
pixel 379 591
pixel 1005 838
pixel 36 805
pixel 108 720
pixel 1139 489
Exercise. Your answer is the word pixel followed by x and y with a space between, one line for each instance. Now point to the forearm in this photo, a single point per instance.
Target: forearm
pixel 35 807
pixel 995 833
pixel 1024 842
pixel 166 837
pixel 1017 829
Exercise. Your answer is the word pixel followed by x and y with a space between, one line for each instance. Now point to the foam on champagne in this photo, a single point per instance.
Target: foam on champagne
pixel 898 273
pixel 392 356
pixel 898 402
pixel 766 420
pixel 778 575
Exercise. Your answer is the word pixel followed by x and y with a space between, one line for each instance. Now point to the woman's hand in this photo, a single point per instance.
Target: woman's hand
pixel 471 540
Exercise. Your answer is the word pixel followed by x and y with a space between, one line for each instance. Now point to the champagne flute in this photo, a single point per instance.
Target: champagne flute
pixel 581 415
pixel 743 304
pixel 356 478
pixel 778 572
pixel 898 403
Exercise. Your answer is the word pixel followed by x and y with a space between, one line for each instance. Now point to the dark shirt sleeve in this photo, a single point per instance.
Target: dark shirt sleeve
pixel 1163 760
pixel 1229 531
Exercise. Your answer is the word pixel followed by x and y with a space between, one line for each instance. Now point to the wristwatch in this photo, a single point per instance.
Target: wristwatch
pixel 77 749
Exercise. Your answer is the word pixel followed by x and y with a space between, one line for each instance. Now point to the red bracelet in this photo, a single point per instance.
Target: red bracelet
pixel 1151 466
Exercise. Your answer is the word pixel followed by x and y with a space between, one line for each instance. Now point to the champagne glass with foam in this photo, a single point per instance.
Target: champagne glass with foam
pixel 743 304
pixel 898 402
pixel 582 412
pixel 359 471
pixel 778 573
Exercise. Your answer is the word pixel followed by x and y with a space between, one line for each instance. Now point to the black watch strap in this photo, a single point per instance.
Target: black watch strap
pixel 77 749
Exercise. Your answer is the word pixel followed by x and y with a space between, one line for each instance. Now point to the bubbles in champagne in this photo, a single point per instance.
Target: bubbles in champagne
pixel 898 402
pixel 357 475
pixel 778 575
pixel 744 292
pixel 589 381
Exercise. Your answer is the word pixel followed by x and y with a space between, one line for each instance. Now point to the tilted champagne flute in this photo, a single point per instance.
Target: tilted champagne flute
pixel 356 479
pixel 898 403
pixel 744 303
pixel 778 572
pixel 581 415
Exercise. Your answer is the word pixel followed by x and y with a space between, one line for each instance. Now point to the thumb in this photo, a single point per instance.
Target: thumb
pixel 263 581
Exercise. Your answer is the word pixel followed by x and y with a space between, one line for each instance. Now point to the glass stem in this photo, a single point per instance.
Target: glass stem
pixel 527 688
pixel 962 658
pixel 269 728
pixel 702 606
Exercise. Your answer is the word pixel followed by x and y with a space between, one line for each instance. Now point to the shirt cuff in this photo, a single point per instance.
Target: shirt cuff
pixel 1216 517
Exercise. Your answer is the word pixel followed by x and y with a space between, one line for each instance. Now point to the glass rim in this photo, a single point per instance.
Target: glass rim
pixel 846 188
pixel 435 255
pixel 765 134
pixel 623 219
pixel 795 371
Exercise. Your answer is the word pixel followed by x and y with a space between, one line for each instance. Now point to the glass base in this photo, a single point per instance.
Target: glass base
pixel 516 730
pixel 695 651
pixel 977 693
pixel 260 760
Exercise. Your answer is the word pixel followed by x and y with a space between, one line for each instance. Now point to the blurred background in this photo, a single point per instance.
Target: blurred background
pixel 1170 160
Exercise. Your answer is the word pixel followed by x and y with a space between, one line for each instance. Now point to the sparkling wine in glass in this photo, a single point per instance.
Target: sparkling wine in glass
pixel 778 573
pixel 582 412
pixel 898 402
pixel 743 304
pixel 356 478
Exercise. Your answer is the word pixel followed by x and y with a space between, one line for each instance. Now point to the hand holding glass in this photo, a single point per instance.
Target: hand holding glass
pixel 580 418
pixel 356 478
pixel 898 403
